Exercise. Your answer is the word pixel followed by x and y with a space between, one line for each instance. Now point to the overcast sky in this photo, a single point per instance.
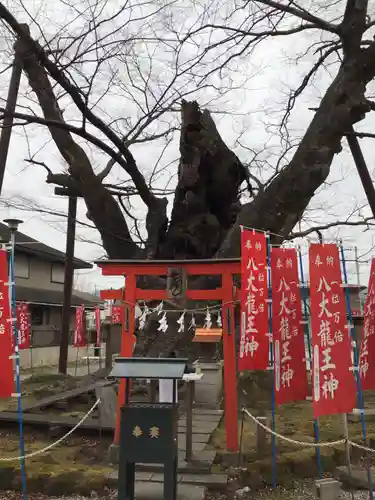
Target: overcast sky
pixel 265 79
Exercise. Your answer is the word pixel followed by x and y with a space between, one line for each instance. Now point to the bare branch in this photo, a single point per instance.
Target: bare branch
pixel 367 222
pixel 306 80
pixel 62 125
pixel 30 44
pixel 362 135
pixel 106 171
pixel 302 14
pixel 41 163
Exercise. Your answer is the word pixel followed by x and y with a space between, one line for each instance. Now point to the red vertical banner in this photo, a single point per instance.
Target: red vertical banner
pixel 6 351
pixel 254 341
pixel 116 314
pixel 366 362
pixel 287 329
pixel 79 330
pixel 333 382
pixel 98 325
pixel 23 326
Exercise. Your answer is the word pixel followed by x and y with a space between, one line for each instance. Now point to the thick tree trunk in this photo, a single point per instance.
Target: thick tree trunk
pixel 209 178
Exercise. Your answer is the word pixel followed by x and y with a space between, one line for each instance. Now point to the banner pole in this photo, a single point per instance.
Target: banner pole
pixel 355 363
pixel 347 450
pixel 88 357
pixel 31 357
pixel 31 338
pixel 307 333
pixel 13 314
pixel 75 369
pixel 272 359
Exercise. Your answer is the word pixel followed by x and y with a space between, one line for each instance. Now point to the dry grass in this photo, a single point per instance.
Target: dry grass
pixel 293 420
pixel 296 422
pixel 78 462
pixel 39 386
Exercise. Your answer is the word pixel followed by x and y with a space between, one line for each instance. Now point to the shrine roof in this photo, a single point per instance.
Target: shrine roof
pixel 140 262
pixel 149 368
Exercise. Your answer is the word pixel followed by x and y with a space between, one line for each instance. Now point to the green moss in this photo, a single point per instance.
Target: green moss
pixel 57 479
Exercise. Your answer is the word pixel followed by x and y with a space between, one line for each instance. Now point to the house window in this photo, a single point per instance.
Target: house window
pixel 57 273
pixel 22 266
pixel 36 315
pixel 47 315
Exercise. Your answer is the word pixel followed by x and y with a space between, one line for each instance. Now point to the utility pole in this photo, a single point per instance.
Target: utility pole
pixel 362 169
pixel 10 108
pixel 68 283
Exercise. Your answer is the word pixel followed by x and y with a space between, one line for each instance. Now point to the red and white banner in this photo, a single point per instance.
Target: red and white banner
pixel 333 382
pixel 117 312
pixel 254 342
pixel 79 330
pixel 366 362
pixel 6 351
pixel 23 326
pixel 287 329
pixel 98 325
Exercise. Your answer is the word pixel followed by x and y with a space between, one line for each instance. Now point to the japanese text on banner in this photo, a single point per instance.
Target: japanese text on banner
pixel 23 326
pixel 6 372
pixel 79 331
pixel 366 362
pixel 117 314
pixel 333 381
pixel 254 341
pixel 287 330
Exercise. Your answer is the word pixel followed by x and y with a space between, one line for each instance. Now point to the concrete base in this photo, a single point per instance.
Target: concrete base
pixel 114 454
pixel 327 489
pixel 208 391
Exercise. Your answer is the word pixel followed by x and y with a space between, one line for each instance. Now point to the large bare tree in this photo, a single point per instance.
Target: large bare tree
pixel 207 207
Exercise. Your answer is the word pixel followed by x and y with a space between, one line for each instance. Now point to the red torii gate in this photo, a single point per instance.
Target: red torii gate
pixel 227 293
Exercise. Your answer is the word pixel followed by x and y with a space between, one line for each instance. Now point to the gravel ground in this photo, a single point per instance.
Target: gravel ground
pixel 301 491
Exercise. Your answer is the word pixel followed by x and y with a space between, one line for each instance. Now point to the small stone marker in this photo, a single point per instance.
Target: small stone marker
pixel 327 489
pixel 108 404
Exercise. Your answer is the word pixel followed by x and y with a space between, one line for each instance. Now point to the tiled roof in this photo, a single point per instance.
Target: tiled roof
pixel 54 297
pixel 27 245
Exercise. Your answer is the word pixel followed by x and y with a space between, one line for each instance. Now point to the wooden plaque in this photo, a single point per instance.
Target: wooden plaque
pixel 176 282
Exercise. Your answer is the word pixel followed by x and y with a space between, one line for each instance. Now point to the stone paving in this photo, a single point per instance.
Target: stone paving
pixel 153 491
pixel 212 481
pixel 204 424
